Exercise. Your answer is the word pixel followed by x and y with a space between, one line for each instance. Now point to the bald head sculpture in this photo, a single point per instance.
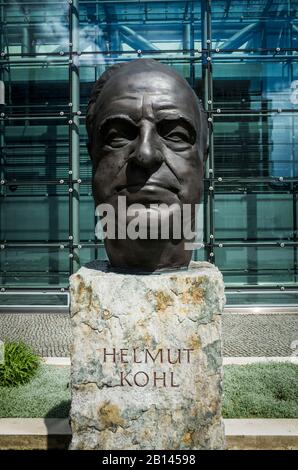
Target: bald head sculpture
pixel 148 141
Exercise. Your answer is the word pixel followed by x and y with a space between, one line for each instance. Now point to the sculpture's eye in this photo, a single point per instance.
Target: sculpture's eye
pixel 118 132
pixel 115 139
pixel 177 132
pixel 177 136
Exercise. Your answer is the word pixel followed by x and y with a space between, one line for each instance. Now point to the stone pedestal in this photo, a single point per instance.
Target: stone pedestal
pixel 146 359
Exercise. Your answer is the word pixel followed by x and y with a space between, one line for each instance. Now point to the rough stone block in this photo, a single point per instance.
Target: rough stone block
pixel 146 359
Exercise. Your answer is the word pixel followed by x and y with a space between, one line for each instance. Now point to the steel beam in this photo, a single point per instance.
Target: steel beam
pixel 136 40
pixel 74 194
pixel 239 38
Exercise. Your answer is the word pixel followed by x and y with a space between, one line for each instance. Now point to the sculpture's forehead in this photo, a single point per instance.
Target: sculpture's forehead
pixel 147 94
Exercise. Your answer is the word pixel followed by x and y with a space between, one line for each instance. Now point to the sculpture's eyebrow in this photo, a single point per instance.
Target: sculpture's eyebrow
pixel 162 115
pixel 173 116
pixel 179 118
pixel 113 117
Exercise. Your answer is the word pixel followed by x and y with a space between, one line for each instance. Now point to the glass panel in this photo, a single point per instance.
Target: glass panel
pixel 35 299
pixel 23 206
pixel 34 266
pixel 254 24
pixel 36 87
pixel 257 265
pixel 146 26
pixel 261 298
pixel 35 149
pixel 256 145
pixel 87 214
pixel 254 77
pixel 254 213
pixel 36 27
pixel 255 84
pixel 85 160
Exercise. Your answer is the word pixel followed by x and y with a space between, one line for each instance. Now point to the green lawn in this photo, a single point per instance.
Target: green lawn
pixel 251 391
pixel 261 391
pixel 47 394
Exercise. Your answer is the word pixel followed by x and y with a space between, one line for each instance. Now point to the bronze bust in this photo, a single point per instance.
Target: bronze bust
pixel 147 136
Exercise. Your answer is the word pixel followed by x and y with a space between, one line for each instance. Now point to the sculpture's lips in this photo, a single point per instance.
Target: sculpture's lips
pixel 149 193
pixel 148 188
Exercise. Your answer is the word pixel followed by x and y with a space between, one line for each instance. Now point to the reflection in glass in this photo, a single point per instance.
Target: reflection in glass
pixel 256 145
pixel 22 266
pixel 35 149
pixel 254 25
pixel 251 216
pixel 255 84
pixel 250 81
pixel 36 213
pixel 36 27
pixel 257 265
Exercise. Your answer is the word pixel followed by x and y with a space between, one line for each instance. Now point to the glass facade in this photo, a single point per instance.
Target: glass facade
pixel 241 58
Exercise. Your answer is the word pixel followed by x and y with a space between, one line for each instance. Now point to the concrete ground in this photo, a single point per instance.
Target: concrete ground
pixel 243 335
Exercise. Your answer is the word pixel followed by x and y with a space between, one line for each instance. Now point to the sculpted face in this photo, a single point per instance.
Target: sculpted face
pixel 146 146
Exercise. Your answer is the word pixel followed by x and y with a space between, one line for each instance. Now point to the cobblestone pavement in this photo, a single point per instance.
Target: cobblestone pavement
pixel 243 335
pixel 48 334
pixel 259 335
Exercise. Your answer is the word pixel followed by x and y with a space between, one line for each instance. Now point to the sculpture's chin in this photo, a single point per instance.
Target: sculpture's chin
pixel 147 255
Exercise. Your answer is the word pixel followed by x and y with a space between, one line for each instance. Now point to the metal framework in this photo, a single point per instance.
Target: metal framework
pixel 199 38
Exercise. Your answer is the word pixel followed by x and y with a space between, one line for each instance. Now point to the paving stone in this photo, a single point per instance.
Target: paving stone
pixel 259 335
pixel 47 334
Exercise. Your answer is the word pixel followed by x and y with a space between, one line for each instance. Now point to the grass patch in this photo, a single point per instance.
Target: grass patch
pixel 261 391
pixel 46 395
pixel 19 366
pixel 251 391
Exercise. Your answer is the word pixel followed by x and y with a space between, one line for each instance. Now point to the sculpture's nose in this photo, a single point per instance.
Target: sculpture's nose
pixel 147 153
